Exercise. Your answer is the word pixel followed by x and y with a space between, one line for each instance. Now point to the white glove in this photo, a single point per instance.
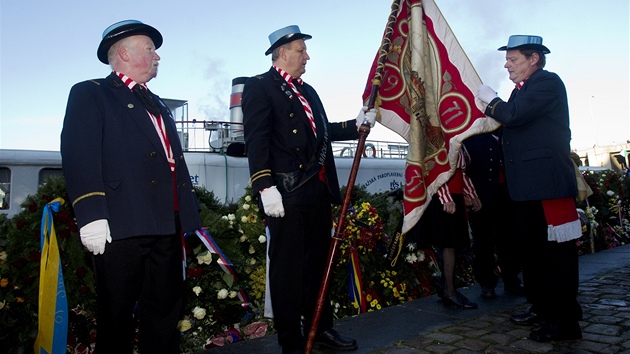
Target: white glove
pixel 486 93
pixel 272 202
pixel 365 116
pixel 94 235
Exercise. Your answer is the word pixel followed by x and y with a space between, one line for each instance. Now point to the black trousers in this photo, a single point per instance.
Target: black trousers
pixel 495 241
pixel 550 269
pixel 139 279
pixel 298 252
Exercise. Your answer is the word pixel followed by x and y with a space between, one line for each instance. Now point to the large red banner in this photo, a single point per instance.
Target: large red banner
pixel 426 95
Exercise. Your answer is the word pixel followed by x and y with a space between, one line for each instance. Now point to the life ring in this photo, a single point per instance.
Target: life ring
pixel 346 149
pixel 370 145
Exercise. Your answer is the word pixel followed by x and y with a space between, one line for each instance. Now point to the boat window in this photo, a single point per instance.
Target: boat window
pixel 5 187
pixel 44 173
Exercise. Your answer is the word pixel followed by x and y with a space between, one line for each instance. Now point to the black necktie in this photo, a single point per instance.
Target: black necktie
pixel 146 99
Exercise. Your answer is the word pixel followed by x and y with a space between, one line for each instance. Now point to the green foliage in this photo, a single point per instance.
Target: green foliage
pixel 224 306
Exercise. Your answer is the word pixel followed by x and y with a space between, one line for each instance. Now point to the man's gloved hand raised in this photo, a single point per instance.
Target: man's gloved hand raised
pixel 94 235
pixel 272 202
pixel 486 93
pixel 366 116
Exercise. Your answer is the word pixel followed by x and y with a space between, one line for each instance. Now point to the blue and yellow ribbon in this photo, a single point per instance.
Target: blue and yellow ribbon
pixel 52 332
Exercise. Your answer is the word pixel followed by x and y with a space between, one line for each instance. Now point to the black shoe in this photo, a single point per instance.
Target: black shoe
pixel 551 332
pixel 459 301
pixel 527 318
pixel 516 289
pixel 331 339
pixel 488 293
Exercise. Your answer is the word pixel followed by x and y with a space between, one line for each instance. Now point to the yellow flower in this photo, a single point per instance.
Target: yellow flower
pixel 4 282
pixel 19 300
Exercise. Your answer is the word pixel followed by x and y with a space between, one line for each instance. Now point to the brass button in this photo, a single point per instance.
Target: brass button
pixel 185 185
pixel 291 115
pixel 154 183
pixel 297 149
pixel 153 154
pixel 301 166
pixel 294 131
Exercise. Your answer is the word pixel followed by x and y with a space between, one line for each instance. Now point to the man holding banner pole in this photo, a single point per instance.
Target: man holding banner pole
pixel 288 141
pixel 541 180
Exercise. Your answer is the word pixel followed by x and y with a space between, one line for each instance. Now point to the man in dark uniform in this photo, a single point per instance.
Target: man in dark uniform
pixel 494 238
pixel 542 182
pixel 130 189
pixel 288 141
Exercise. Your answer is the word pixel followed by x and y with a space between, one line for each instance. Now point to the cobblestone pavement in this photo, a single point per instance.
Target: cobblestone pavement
pixel 425 326
pixel 606 326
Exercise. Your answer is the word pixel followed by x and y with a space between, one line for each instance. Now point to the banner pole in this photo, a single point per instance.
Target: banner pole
pixel 364 130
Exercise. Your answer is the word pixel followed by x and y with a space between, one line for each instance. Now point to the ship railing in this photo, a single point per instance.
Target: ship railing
pixel 216 136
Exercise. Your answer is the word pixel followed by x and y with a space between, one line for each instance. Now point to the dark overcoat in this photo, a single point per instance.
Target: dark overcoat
pixel 536 139
pixel 115 165
pixel 281 147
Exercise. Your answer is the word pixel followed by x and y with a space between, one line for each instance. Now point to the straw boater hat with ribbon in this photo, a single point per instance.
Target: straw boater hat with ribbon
pixel 284 36
pixel 123 29
pixel 526 42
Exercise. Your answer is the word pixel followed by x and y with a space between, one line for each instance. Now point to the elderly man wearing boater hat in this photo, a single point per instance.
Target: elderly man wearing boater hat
pixel 130 189
pixel 288 140
pixel 541 179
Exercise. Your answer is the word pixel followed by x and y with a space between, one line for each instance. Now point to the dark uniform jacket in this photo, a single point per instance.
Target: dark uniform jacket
pixel 115 165
pixel 281 147
pixel 536 139
pixel 485 164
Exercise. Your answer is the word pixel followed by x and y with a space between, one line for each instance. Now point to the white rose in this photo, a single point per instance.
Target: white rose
pixel 205 258
pixel 197 290
pixel 246 206
pixel 610 193
pixel 224 217
pixel 248 198
pixel 421 256
pixel 184 325
pixel 199 312
pixel 244 219
pixel 233 294
pixel 231 217
pixel 222 294
pixel 252 250
pixel 3 256
pixel 262 239
pixel 243 238
pixel 252 261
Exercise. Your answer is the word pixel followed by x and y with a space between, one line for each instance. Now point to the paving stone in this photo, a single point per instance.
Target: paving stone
pixel 440 348
pixel 503 349
pixel 601 338
pixel 472 344
pixel 610 319
pixel 592 346
pixel 499 338
pixel 603 329
pixel 420 342
pixel 533 346
pixel 444 337
pixel 399 350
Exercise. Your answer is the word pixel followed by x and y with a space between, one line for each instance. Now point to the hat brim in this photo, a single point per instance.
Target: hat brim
pixel 538 47
pixel 286 39
pixel 124 32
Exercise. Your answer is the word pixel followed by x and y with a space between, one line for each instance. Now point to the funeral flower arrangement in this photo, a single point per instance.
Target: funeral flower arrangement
pixel 225 264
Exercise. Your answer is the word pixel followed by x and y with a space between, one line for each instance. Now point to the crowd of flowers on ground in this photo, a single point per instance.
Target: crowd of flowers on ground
pixel 225 264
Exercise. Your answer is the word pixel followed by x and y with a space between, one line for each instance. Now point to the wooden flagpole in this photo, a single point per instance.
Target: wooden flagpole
pixel 364 130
